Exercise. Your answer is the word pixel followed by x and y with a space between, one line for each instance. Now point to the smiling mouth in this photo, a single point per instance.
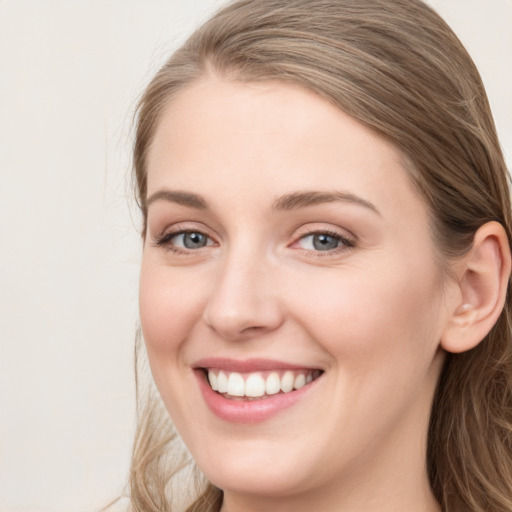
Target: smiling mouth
pixel 258 385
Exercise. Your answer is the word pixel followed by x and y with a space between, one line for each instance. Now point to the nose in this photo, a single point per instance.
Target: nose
pixel 245 301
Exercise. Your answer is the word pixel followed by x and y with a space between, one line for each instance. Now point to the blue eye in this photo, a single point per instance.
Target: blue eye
pixel 190 240
pixel 323 242
pixel 183 241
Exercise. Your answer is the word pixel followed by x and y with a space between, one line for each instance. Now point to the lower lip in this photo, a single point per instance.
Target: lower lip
pixel 253 411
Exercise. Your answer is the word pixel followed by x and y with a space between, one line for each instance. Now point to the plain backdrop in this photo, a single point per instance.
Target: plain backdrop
pixel 70 74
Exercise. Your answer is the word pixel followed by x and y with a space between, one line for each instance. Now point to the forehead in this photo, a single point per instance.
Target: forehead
pixel 262 140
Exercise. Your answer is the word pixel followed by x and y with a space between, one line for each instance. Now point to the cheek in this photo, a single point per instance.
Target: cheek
pixel 170 304
pixel 377 329
pixel 367 314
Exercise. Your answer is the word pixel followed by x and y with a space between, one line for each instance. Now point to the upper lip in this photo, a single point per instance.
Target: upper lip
pixel 248 365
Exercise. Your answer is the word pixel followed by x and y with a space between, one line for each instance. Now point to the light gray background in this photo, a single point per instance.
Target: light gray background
pixel 70 73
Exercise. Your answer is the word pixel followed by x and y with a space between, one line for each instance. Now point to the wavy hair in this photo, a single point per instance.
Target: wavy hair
pixel 396 67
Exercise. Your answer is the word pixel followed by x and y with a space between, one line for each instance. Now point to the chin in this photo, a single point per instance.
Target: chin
pixel 257 472
pixel 264 482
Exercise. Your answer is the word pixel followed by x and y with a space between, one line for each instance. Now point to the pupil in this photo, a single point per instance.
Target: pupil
pixel 324 242
pixel 194 240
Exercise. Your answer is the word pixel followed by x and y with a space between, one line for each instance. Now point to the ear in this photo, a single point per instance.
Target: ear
pixel 483 276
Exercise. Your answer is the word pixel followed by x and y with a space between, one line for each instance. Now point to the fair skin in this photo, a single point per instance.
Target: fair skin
pixel 239 266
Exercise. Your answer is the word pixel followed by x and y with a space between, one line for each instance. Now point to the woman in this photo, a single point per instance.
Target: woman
pixel 326 264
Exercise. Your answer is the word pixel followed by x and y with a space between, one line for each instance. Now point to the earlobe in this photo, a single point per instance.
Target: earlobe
pixel 483 281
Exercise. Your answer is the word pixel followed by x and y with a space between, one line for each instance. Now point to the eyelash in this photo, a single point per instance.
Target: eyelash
pixel 346 243
pixel 165 239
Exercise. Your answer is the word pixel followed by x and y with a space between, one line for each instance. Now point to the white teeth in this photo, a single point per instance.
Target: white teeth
pixel 222 382
pixel 255 385
pixel 212 378
pixel 236 385
pixel 287 382
pixel 300 381
pixel 273 384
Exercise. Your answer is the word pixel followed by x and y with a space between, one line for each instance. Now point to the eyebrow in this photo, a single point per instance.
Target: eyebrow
pixel 298 200
pixel 182 198
pixel 287 202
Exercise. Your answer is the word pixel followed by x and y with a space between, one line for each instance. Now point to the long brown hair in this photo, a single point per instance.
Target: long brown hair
pixel 395 66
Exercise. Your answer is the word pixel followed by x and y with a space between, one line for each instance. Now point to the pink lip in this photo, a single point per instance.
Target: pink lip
pixel 248 365
pixel 241 411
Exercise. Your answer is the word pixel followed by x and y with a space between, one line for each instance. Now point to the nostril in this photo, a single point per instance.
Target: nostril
pixel 239 327
pixel 243 302
pixel 253 329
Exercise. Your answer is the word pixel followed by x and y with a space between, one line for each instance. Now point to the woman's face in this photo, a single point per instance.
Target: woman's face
pixel 286 247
